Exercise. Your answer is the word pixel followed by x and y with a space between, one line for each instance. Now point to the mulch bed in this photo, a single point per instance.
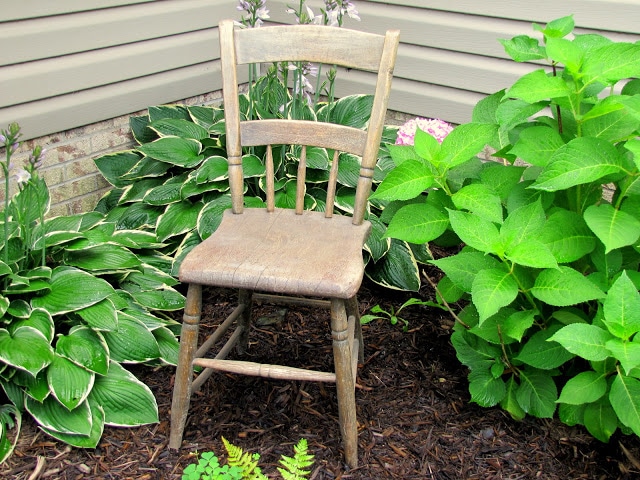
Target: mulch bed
pixel 414 414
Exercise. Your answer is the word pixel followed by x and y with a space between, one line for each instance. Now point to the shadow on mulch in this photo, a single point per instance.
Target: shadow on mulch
pixel 414 414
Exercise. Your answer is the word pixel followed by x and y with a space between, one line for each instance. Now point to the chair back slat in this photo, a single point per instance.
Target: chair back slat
pixel 331 188
pixel 312 43
pixel 301 185
pixel 270 180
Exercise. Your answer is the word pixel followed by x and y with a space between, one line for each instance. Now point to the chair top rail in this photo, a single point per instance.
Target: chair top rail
pixel 303 132
pixel 349 48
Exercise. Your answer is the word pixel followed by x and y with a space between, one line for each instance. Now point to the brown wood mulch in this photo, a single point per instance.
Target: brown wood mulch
pixel 414 414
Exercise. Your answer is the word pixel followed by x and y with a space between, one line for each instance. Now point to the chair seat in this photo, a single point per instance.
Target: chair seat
pixel 281 252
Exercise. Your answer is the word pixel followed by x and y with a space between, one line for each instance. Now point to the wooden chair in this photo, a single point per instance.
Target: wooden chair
pixel 290 252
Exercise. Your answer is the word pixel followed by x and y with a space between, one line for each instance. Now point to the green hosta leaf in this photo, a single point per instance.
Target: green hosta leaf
pixel 404 182
pixel 52 415
pixel 585 387
pixel 491 290
pixel 25 349
pixel 85 348
pixel 625 400
pixel 102 257
pixel 177 127
pixel 114 165
pixel 165 298
pixel 628 353
pixel 463 267
pixel 418 223
pixel 352 110
pixel 125 399
pixel 536 86
pixel 84 441
pixel 622 308
pixel 183 152
pixel 611 63
pixel 69 383
pixel 541 353
pixel 72 289
pixel 475 231
pixel 131 341
pixel 486 390
pixel 537 393
pixel 510 401
pixel 537 144
pixel 564 286
pixel 397 269
pixel 480 200
pixel 177 219
pixel 523 48
pixel 600 419
pixel 567 236
pixel 582 160
pixel 586 341
pixel 464 142
pixel 614 228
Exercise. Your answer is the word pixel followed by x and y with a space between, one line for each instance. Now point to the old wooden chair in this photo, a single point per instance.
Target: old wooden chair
pixel 291 252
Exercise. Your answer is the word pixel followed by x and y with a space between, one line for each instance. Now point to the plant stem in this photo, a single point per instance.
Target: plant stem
pixel 446 304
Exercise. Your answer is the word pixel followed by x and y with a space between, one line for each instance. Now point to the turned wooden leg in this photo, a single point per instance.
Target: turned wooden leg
pixel 344 381
pixel 245 297
pixel 184 370
pixel 353 309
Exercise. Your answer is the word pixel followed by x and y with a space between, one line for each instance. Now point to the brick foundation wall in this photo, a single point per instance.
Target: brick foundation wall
pixel 75 184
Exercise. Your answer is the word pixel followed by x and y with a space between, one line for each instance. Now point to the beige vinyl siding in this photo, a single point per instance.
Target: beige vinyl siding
pixel 450 57
pixel 73 63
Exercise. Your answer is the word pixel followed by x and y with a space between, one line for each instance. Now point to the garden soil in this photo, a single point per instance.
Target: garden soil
pixel 414 415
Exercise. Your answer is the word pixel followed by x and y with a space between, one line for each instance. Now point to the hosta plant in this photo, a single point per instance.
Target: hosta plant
pixel 548 275
pixel 77 301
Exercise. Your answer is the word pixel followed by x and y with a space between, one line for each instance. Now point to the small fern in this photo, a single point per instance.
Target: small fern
pixel 294 468
pixel 247 463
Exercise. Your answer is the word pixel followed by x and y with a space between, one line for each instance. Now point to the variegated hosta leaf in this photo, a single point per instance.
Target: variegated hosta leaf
pixel 168 345
pixel 102 257
pixel 101 315
pixel 125 399
pixel 177 219
pixel 83 441
pixel 10 419
pixel 165 298
pixel 72 289
pixel 19 308
pixel 179 128
pixel 183 152
pixel 85 348
pixel 397 270
pixel 52 415
pixel 25 349
pixel 69 383
pixel 37 388
pixel 211 215
pixel 114 165
pixel 39 319
pixel 131 342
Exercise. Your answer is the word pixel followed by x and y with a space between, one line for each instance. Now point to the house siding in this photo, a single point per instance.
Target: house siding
pixel 78 68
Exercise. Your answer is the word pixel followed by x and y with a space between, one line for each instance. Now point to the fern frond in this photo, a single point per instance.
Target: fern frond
pixel 244 461
pixel 294 468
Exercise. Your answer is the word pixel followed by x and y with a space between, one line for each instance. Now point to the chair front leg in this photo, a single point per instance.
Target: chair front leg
pixel 184 370
pixel 245 298
pixel 353 309
pixel 344 381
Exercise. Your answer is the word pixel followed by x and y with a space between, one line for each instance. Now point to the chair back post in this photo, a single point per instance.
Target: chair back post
pixel 376 124
pixel 232 113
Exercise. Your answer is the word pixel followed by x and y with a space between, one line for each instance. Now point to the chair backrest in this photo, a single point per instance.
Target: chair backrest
pixel 305 43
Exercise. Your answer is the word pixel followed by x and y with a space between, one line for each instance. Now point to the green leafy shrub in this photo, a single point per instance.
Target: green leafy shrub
pixel 549 271
pixel 77 300
pixel 242 465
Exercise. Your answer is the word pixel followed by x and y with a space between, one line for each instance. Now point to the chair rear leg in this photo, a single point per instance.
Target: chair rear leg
pixel 353 309
pixel 245 297
pixel 184 370
pixel 344 381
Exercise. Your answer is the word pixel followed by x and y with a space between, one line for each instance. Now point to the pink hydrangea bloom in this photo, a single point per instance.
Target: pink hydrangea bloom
pixel 433 126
